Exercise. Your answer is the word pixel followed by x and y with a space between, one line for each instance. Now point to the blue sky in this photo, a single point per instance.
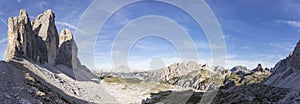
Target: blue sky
pixel 255 31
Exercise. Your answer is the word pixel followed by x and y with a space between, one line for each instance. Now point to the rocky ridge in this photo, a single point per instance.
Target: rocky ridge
pixel 287 71
pixel 245 77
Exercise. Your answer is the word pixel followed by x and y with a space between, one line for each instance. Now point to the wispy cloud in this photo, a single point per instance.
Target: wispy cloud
pixel 69 26
pixel 283 45
pixel 41 4
pixel 3 21
pixel 290 23
pixel 2 41
pixel 19 1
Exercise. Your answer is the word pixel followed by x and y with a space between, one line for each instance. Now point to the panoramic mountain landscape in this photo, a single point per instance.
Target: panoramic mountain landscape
pixel 48 60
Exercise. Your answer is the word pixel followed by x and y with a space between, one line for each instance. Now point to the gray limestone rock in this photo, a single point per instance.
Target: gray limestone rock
pixel 287 71
pixel 22 42
pixel 44 27
pixel 19 34
pixel 67 52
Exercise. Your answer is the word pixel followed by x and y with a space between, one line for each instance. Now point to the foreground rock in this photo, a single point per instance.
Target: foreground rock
pixel 287 71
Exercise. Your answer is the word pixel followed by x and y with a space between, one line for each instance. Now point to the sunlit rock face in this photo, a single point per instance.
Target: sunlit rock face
pixel 22 41
pixel 38 41
pixel 287 71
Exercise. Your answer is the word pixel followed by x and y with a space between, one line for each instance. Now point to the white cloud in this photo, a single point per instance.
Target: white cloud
pixel 19 1
pixel 69 26
pixel 290 23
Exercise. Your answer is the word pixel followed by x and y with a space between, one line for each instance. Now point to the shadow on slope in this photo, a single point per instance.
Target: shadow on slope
pixel 21 85
pixel 81 73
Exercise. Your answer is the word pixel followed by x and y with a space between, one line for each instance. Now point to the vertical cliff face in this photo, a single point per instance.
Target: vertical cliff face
pixel 287 71
pixel 19 34
pixel 39 41
pixel 67 50
pixel 22 41
pixel 44 27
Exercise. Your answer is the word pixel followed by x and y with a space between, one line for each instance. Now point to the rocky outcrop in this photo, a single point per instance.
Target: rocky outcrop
pixel 67 52
pixel 242 76
pixel 238 68
pixel 287 71
pixel 38 41
pixel 44 27
pixel 178 69
pixel 19 31
pixel 22 41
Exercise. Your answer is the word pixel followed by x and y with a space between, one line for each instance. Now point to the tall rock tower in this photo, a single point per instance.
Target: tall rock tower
pixel 44 27
pixel 22 42
pixel 67 52
pixel 39 42
pixel 19 31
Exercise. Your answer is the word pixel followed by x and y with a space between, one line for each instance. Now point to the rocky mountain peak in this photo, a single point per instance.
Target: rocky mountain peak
pixel 23 13
pixel 238 68
pixel 39 40
pixel 259 68
pixel 44 26
pixel 65 35
pixel 19 32
pixel 296 51
pixel 205 66
pixel 67 50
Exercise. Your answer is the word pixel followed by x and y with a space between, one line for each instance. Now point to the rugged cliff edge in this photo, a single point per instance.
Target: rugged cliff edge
pixel 287 71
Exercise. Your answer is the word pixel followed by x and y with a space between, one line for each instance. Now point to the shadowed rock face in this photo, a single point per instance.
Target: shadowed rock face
pixel 67 50
pixel 44 27
pixel 38 41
